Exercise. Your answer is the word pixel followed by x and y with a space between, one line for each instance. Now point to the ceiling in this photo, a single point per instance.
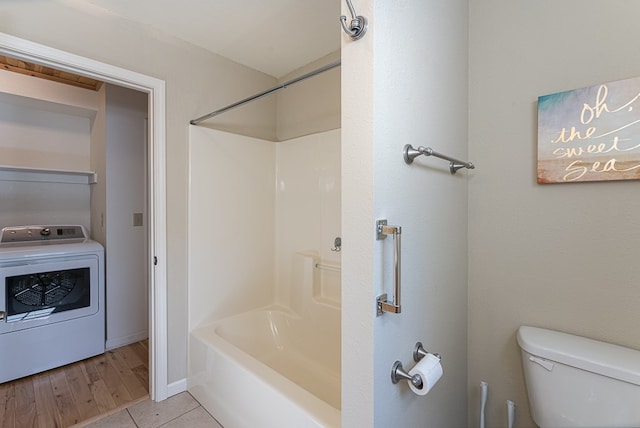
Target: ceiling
pixel 272 36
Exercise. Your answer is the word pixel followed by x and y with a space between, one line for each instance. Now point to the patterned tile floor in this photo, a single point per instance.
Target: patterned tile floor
pixel 181 410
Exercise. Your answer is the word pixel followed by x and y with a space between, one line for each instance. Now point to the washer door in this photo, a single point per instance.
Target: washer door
pixel 48 291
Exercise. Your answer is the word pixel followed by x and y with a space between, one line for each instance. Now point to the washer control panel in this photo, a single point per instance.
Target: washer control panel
pixel 24 234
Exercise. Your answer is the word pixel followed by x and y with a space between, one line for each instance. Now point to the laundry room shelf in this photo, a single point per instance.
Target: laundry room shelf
pixel 17 173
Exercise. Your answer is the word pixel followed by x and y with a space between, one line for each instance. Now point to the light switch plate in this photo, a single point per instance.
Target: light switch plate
pixel 137 219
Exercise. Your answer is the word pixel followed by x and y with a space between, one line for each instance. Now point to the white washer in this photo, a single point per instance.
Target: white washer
pixel 52 298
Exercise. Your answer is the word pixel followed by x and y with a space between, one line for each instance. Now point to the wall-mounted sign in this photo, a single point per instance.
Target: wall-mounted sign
pixel 590 134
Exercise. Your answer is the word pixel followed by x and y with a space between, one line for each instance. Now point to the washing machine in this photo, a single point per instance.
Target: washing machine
pixel 52 301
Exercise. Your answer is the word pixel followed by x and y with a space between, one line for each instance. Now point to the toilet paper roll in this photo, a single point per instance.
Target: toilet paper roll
pixel 430 371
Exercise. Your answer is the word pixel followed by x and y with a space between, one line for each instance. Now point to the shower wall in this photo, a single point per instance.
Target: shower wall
pixel 307 204
pixel 231 218
pixel 252 205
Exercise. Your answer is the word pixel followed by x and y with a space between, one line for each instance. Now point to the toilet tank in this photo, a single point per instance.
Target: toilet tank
pixel 576 382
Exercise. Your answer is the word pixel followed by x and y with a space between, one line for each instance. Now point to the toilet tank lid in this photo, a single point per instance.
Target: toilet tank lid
pixel 603 358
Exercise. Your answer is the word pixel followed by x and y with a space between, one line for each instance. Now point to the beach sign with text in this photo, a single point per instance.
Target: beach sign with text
pixel 590 134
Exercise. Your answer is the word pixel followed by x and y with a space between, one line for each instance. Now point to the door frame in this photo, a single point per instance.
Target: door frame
pixel 156 154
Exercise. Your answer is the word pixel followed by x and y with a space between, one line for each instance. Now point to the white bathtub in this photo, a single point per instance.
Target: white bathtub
pixel 269 368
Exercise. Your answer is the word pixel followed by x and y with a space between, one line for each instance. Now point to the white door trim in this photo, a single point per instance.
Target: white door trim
pixel 155 88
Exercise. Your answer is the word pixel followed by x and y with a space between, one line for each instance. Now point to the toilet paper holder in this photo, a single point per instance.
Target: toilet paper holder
pixel 398 372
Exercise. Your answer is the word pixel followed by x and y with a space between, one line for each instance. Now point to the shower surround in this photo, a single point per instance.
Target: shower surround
pixel 262 215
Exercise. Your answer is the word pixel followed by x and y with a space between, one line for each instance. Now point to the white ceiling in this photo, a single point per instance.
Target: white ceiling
pixel 272 36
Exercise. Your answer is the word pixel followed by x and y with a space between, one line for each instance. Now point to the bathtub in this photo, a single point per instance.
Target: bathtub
pixel 269 368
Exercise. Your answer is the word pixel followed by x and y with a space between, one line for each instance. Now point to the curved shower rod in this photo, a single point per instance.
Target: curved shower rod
pixel 265 93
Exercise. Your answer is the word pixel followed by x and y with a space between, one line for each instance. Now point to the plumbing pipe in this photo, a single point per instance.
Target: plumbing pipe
pixel 511 413
pixel 483 401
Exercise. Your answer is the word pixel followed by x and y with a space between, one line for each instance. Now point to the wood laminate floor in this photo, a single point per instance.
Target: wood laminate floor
pixel 77 392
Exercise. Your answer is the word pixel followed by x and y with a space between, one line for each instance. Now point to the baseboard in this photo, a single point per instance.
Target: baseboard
pixel 176 387
pixel 126 340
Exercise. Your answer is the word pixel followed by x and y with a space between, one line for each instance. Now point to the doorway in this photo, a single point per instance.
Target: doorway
pixel 156 176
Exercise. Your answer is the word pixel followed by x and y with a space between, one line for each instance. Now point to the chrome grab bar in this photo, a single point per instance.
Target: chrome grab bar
pixel 382 303
pixel 327 267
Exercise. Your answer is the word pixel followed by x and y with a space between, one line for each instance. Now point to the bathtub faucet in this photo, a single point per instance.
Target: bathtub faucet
pixel 337 244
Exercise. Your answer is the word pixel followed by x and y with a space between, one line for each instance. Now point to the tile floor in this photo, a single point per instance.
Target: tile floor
pixel 181 410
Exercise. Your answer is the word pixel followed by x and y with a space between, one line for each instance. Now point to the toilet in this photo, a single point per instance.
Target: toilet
pixel 576 382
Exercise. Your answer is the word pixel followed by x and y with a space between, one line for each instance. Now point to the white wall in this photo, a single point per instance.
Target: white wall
pixel 50 131
pixel 357 106
pixel 28 202
pixel 43 139
pixel 197 82
pixel 405 82
pixel 126 252
pixel 420 86
pixel 560 256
